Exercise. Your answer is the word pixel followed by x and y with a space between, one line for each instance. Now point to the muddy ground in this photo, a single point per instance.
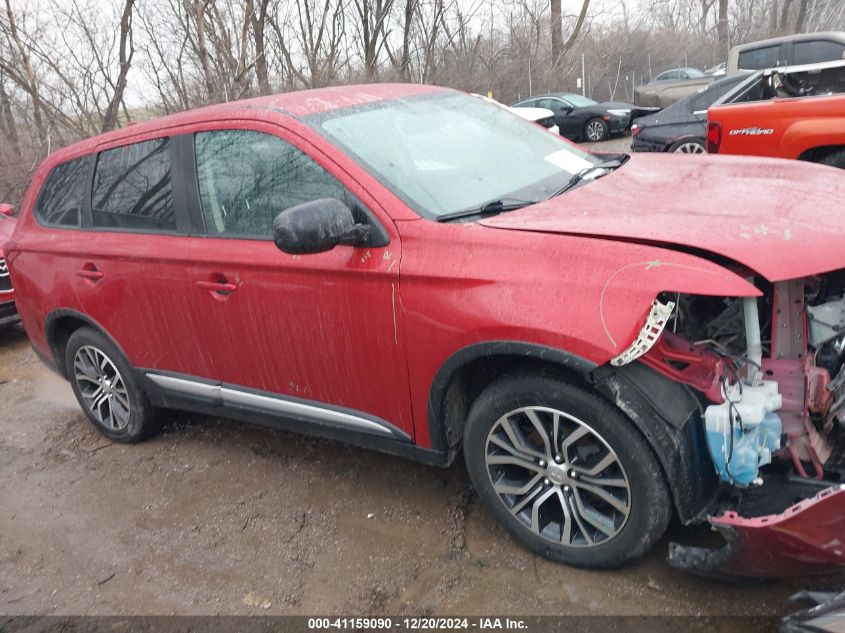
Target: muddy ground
pixel 217 517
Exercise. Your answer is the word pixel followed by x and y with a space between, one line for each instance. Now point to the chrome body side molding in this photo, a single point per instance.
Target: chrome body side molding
pixel 232 396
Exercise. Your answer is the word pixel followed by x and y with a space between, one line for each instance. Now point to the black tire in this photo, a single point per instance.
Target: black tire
pixel 141 419
pixel 649 503
pixel 834 159
pixel 682 145
pixel 605 130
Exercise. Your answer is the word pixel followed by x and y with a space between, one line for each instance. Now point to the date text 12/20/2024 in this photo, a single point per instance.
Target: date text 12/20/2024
pixel 417 623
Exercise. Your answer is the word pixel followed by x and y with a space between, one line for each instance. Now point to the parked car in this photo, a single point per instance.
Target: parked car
pixel 8 311
pixel 579 117
pixel 540 116
pixel 669 87
pixel 789 50
pixel 676 74
pixel 410 269
pixel 791 112
pixel 682 127
pixel 718 70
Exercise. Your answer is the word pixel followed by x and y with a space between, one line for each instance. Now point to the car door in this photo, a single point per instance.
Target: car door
pixel 124 267
pixel 323 328
pixel 561 110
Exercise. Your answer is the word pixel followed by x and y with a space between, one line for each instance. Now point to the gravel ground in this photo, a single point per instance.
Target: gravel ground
pixel 611 145
pixel 217 517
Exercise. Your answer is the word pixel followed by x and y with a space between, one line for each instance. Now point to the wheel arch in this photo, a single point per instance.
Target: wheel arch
pixel 469 370
pixel 58 327
pixel 660 409
pixel 815 154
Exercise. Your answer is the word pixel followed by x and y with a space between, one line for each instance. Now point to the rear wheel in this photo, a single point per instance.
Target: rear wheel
pixel 689 146
pixel 835 159
pixel 596 130
pixel 565 472
pixel 105 388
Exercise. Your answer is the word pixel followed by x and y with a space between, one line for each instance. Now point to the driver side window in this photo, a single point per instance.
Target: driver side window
pixel 550 104
pixel 247 178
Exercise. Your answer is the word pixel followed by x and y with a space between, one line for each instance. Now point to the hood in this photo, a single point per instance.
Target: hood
pixel 782 219
pixel 532 114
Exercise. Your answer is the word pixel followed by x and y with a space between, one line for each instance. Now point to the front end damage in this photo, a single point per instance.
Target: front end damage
pixel 763 413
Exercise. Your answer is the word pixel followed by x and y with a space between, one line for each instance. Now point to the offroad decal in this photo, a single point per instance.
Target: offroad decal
pixel 751 131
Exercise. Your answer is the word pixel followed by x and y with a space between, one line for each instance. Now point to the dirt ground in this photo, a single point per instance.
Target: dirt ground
pixel 611 145
pixel 218 517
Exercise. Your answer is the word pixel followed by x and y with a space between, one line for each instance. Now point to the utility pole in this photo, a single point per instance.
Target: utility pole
pixel 583 78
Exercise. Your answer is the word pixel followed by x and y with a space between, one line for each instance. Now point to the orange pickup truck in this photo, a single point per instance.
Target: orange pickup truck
pixel 796 112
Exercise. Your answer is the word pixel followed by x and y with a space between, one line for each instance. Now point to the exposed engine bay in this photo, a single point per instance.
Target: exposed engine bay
pixel 769 374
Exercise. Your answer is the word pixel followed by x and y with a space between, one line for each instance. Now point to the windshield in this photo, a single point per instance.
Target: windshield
pixel 450 152
pixel 578 101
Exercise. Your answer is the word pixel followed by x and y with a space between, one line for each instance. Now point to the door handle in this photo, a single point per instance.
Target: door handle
pixel 222 287
pixel 89 272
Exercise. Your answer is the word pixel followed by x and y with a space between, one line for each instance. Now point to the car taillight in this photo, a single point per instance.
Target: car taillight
pixel 714 136
pixel 635 129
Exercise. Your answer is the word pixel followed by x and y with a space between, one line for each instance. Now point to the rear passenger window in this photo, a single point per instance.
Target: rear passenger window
pixel 60 200
pixel 816 51
pixel 247 178
pixel 712 94
pixel 132 188
pixel 760 58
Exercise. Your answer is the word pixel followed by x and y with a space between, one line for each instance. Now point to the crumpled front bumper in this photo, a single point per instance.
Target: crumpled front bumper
pixel 807 539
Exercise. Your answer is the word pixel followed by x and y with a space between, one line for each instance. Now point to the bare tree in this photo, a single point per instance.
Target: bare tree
pixel 126 51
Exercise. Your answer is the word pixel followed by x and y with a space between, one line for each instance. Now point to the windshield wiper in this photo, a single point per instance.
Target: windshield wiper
pixel 581 176
pixel 488 208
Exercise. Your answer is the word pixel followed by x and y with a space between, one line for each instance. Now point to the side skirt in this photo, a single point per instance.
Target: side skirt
pixel 178 391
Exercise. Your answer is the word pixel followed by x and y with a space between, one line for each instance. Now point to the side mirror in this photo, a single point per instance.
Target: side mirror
pixel 7 210
pixel 566 109
pixel 317 226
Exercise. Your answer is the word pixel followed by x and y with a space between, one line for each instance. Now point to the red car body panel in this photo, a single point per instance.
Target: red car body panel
pixel 807 538
pixel 796 204
pixel 350 325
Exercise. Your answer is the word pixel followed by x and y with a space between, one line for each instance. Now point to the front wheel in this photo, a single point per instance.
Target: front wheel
pixel 596 130
pixel 565 472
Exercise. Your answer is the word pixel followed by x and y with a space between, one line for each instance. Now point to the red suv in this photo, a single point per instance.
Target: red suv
pixel 410 269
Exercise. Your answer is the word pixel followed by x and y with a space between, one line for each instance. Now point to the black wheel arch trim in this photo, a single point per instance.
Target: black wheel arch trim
pixel 668 414
pixel 459 359
pixel 50 323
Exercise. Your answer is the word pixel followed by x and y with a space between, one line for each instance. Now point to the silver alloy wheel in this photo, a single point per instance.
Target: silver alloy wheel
pixel 595 130
pixel 102 387
pixel 690 147
pixel 558 476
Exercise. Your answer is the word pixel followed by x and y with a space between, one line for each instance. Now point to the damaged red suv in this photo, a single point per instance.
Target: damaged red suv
pixel 610 342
